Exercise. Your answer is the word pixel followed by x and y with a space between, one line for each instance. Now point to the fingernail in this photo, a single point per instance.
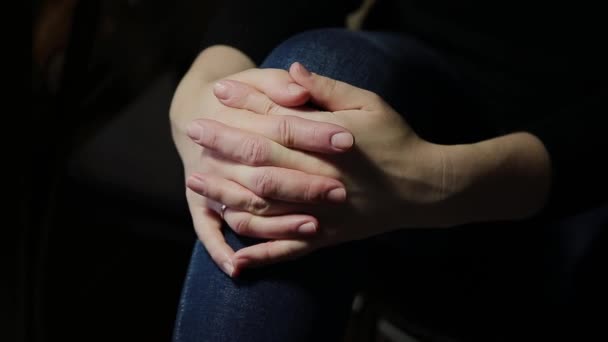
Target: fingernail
pixel 342 140
pixel 228 268
pixel 337 195
pixel 295 89
pixel 307 228
pixel 222 90
pixel 194 131
pixel 303 70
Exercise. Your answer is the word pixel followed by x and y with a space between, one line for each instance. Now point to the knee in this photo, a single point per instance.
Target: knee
pixel 329 51
pixel 349 56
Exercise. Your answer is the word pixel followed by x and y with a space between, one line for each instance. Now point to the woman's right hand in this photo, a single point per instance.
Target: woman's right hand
pixel 195 98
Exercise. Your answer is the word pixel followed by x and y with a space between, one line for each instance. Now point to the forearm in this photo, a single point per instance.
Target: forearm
pixel 505 178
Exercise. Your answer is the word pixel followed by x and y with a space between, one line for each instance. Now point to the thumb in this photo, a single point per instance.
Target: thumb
pixel 277 84
pixel 328 93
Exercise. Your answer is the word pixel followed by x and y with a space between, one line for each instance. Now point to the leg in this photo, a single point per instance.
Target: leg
pixel 439 103
pixel 309 299
pixel 304 300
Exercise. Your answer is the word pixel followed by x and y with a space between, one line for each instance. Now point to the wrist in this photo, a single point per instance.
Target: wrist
pixel 422 180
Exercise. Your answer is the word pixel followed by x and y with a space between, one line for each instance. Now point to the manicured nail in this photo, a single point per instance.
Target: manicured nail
pixel 342 140
pixel 303 70
pixel 337 195
pixel 307 228
pixel 222 90
pixel 295 89
pixel 194 131
pixel 228 268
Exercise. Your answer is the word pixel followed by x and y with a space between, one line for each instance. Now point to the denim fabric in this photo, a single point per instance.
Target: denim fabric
pixel 438 272
pixel 439 103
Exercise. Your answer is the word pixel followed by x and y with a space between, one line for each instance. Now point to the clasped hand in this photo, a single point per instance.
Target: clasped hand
pixel 302 177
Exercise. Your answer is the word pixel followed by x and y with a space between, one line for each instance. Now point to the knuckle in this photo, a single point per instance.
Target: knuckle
pixel 241 96
pixel 254 151
pixel 210 139
pixel 308 192
pixel 313 191
pixel 317 133
pixel 270 107
pixel 269 251
pixel 330 86
pixel 257 206
pixel 203 191
pixel 242 225
pixel 286 133
pixel 264 184
pixel 205 154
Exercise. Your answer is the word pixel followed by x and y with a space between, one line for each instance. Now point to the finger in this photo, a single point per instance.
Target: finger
pixel 271 252
pixel 252 149
pixel 207 226
pixel 267 124
pixel 291 130
pixel 285 184
pixel 331 94
pixel 277 83
pixel 270 227
pixel 236 197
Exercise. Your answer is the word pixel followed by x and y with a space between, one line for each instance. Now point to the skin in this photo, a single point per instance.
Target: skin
pixel 194 98
pixel 388 181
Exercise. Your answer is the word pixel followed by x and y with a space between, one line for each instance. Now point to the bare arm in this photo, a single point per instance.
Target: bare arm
pixel 422 184
pixel 504 178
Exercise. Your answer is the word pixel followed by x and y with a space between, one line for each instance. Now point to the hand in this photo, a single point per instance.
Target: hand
pixel 394 179
pixel 195 99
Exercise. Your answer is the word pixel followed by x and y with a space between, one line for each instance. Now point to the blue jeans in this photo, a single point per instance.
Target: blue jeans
pixel 434 272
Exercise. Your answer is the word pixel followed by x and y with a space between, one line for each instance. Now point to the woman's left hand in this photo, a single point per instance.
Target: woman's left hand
pixel 393 178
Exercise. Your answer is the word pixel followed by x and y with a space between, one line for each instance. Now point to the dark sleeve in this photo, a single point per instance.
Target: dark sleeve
pixel 256 27
pixel 577 141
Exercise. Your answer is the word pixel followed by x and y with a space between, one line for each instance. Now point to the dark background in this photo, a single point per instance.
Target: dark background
pixel 108 236
pixel 106 233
